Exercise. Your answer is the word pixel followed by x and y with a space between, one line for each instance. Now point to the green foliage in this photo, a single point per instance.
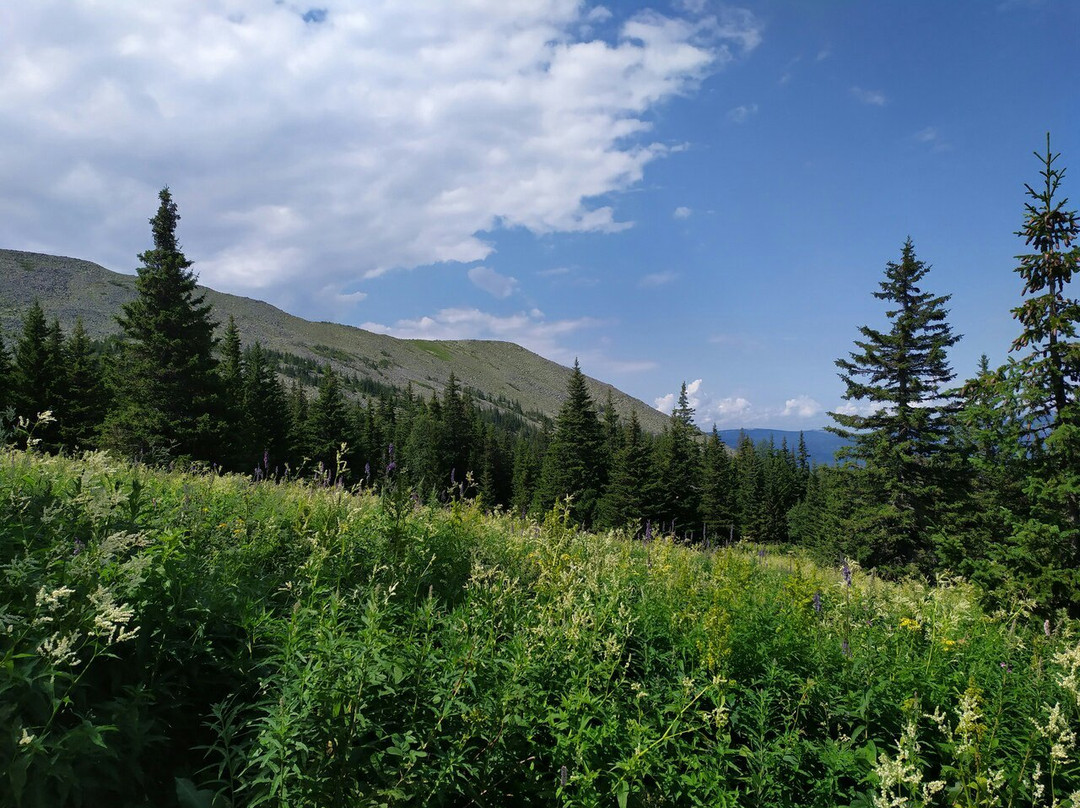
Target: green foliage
pixel 167 389
pixel 573 463
pixel 37 370
pixel 901 374
pixel 182 640
pixel 1019 520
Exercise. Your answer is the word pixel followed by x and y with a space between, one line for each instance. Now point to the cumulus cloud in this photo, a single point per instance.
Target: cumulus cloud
pixel 682 212
pixel 732 411
pixel 874 98
pixel 742 113
pixel 667 402
pixel 496 285
pixel 656 279
pixel 801 407
pixel 335 145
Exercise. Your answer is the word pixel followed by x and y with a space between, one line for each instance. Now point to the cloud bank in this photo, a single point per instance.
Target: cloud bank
pixel 335 144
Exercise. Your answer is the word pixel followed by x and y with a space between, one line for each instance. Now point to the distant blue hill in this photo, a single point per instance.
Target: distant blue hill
pixel 820 444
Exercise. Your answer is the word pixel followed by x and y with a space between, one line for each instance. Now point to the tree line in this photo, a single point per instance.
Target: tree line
pixel 980 478
pixel 166 390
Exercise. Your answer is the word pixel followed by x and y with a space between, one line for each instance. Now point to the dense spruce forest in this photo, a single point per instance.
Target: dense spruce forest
pixel 980 478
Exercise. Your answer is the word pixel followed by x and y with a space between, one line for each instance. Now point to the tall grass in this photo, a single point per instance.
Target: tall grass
pixel 194 640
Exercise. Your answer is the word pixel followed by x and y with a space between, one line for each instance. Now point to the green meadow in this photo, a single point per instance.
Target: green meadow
pixel 193 639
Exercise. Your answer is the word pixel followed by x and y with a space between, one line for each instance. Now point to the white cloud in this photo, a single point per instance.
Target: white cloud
pixel 554 272
pixel 380 136
pixel 859 408
pixel 529 329
pixel 932 138
pixel 801 407
pixel 496 285
pixel 657 279
pixel 734 411
pixel 742 113
pixel 874 98
pixel 667 403
pixel 682 212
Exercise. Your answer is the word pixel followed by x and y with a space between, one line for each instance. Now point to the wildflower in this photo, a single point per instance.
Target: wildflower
pixel 908 623
pixel 79 547
pixel 845 570
pixel 111 619
pixel 817 601
pixel 648 530
pixel 60 648
pixel 26 738
pixel 845 648
pixel 562 776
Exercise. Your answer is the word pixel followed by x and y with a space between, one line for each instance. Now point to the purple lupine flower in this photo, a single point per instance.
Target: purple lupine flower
pixel 648 530
pixel 761 553
pixel 390 467
pixel 453 476
pixel 79 547
pixel 266 459
pixel 562 776
pixel 845 648
pixel 845 570
pixel 817 601
pixel 367 471
pixel 390 451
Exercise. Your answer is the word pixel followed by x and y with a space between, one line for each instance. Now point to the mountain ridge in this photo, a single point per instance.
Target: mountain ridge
pixel 503 372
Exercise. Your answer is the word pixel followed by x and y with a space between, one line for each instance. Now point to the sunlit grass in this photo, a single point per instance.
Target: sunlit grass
pixel 207 640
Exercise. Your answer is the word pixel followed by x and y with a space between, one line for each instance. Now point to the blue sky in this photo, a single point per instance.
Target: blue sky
pixel 677 191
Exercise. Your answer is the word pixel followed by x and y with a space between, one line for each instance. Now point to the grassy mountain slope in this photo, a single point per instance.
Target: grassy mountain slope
pixel 70 287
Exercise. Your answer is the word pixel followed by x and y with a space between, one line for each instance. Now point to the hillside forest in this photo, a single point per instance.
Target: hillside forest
pixel 977 477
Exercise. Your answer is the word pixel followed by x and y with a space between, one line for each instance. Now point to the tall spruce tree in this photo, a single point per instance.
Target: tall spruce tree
pixel 265 423
pixel 630 496
pixel 84 396
pixel 34 370
pixel 679 484
pixel 902 374
pixel 572 466
pixel 1048 316
pixel 167 390
pixel 6 381
pixel 1023 421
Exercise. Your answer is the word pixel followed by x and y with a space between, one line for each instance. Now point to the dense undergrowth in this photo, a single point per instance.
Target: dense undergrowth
pixel 202 640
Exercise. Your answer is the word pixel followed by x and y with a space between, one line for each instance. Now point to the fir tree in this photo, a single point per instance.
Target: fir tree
pixel 902 375
pixel 265 413
pixel 328 419
pixel 35 367
pixel 718 489
pixel 300 438
pixel 1049 318
pixel 679 484
pixel 631 492
pixel 572 465
pixel 85 401
pixel 6 381
pixel 166 386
